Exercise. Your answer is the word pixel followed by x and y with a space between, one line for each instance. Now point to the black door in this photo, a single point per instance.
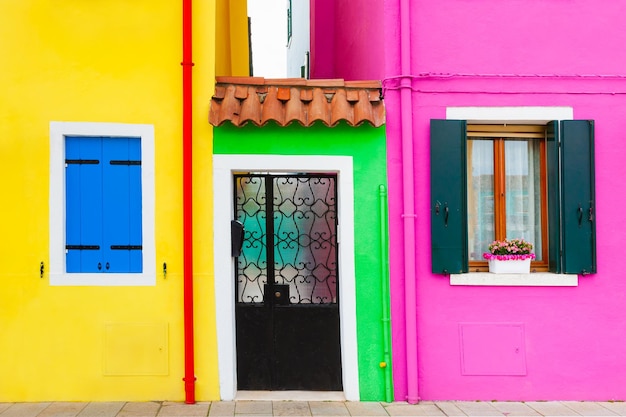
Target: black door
pixel 287 301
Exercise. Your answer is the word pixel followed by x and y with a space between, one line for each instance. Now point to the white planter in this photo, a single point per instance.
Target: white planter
pixel 512 266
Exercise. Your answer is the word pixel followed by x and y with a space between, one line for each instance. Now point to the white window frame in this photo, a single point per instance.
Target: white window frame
pixel 58 275
pixel 537 115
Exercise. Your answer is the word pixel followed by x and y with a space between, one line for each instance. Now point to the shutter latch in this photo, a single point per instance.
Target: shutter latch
pixel 445 209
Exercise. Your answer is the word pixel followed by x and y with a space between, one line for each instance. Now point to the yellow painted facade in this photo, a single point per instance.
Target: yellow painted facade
pixel 117 62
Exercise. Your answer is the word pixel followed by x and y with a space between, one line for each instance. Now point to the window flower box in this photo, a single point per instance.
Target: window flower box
pixel 509 256
pixel 511 266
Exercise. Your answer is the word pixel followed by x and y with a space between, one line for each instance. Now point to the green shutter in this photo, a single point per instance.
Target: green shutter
pixel 578 197
pixel 448 172
pixel 554 203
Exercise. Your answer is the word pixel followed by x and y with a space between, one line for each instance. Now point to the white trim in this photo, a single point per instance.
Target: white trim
pixel 223 168
pixel 515 280
pixel 526 115
pixel 522 114
pixel 58 132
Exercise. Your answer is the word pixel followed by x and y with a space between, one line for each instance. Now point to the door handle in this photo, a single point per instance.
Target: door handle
pixel 580 215
pixel 236 237
pixel 446 211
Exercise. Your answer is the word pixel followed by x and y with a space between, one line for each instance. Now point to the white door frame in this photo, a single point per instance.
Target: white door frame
pixel 224 166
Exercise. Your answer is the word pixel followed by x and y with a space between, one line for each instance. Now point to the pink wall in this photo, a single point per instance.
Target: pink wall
pixel 573 337
pixel 345 33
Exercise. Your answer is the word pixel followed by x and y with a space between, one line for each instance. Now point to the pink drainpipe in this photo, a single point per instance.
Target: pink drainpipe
pixel 408 190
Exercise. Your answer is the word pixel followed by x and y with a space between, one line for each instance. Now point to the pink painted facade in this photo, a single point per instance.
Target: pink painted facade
pixel 344 33
pixel 490 53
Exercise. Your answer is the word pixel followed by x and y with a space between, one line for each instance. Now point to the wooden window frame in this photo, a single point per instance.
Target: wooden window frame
pixel 500 134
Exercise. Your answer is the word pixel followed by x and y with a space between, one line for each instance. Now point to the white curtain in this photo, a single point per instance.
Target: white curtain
pixel 523 191
pixel 523 194
pixel 481 230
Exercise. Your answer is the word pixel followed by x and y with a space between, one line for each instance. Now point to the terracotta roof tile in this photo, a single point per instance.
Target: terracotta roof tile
pixel 253 99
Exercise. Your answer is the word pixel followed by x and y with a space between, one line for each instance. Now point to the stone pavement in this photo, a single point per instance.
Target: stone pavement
pixel 311 408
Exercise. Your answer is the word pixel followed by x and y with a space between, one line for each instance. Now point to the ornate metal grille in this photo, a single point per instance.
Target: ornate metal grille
pixel 301 230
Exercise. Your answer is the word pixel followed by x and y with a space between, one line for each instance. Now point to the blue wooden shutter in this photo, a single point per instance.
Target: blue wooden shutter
pixel 103 204
pixel 122 205
pixel 83 219
pixel 578 197
pixel 448 195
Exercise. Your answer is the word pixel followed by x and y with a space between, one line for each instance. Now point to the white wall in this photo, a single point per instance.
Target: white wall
pixel 301 39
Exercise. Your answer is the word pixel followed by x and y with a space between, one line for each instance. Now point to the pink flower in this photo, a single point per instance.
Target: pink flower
pixel 489 256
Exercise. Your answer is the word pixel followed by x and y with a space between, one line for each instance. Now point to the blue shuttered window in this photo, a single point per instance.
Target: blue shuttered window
pixel 570 188
pixel 103 205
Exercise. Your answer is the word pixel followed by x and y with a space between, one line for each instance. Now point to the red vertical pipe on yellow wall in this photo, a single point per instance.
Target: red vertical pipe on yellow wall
pixel 190 378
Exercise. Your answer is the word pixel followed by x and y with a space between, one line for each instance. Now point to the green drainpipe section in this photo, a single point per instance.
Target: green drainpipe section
pixel 384 279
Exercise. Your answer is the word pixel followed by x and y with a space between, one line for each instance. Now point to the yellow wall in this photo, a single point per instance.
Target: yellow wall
pixel 232 49
pixel 91 61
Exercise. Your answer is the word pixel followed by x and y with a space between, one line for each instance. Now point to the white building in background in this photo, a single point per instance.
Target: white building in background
pixel 299 44
pixel 279 37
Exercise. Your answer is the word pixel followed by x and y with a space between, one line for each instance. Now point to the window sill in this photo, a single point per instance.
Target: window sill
pixel 538 279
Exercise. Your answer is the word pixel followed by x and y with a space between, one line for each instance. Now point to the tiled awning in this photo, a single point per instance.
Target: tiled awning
pixel 258 100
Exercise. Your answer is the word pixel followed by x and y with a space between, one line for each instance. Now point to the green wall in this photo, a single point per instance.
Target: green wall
pixel 366 145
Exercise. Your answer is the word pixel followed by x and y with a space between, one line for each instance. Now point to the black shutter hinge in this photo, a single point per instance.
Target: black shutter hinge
pixel 119 162
pixel 83 247
pixel 125 247
pixel 82 161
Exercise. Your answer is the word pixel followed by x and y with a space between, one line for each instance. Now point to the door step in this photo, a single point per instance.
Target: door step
pixel 290 396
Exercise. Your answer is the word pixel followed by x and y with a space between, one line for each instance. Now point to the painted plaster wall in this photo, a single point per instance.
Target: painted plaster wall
pixel 113 62
pixel 367 147
pixel 323 38
pixel 347 39
pixel 572 336
pixel 230 26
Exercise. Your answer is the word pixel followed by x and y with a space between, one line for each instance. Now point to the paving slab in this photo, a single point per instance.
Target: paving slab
pixel 101 409
pixel 618 407
pixel 4 406
pixel 422 409
pixel 356 408
pixel 222 409
pixel 25 409
pixel 257 408
pixel 585 408
pixel 328 408
pixel 551 408
pixel 63 409
pixel 178 409
pixel 450 409
pixel 291 408
pixel 140 409
pixel 514 409
pixel 477 408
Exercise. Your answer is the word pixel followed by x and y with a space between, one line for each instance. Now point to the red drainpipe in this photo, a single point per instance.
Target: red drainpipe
pixel 190 378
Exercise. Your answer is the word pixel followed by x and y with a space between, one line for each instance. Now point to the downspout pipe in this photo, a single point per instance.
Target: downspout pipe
pixel 187 64
pixel 384 278
pixel 408 192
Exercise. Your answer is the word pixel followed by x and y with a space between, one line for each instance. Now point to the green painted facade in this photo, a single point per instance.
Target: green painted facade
pixel 367 146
